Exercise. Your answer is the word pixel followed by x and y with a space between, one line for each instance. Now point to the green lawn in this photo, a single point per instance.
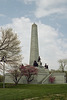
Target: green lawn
pixel 38 92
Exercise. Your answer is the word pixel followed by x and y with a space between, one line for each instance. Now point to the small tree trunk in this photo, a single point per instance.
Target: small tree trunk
pixel 3 75
pixel 16 83
pixel 28 82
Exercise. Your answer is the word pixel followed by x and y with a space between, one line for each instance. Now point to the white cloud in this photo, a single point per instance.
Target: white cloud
pixel 51 46
pixel 48 7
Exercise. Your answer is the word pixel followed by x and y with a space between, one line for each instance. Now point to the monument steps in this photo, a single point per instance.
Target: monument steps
pixel 44 79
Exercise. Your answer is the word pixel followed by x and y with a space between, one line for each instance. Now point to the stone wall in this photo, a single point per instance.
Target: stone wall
pixel 41 78
pixel 59 77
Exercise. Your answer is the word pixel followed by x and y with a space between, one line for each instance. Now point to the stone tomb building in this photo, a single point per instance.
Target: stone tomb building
pixel 43 73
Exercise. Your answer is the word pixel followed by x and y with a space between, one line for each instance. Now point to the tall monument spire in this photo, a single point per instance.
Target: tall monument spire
pixel 34 50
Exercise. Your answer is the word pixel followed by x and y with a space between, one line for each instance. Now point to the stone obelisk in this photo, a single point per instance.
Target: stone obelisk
pixel 34 49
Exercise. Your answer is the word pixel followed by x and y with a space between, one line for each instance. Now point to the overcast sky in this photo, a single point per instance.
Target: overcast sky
pixel 51 19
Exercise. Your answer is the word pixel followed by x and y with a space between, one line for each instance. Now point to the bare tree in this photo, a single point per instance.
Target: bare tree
pixel 16 75
pixel 63 64
pixel 9 48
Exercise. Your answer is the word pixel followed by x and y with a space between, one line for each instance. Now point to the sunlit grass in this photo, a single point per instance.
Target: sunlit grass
pixel 43 92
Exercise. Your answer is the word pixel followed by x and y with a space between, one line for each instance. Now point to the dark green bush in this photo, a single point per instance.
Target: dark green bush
pixel 1 78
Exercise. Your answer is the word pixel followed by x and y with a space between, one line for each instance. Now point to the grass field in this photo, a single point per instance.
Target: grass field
pixel 36 92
